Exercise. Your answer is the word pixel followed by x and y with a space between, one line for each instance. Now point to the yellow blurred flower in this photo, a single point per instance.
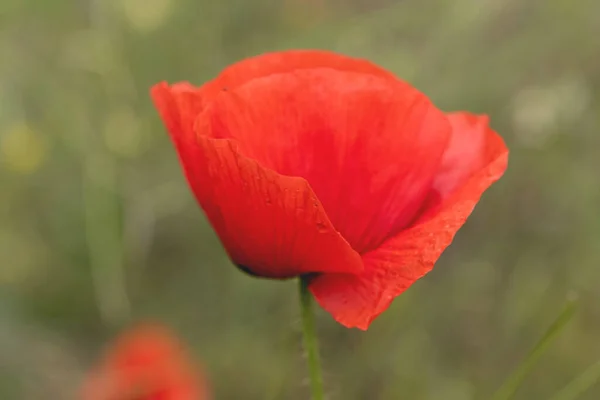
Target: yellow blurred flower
pixel 22 149
pixel 146 15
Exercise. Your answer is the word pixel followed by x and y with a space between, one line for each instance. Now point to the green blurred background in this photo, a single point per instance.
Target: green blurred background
pixel 97 225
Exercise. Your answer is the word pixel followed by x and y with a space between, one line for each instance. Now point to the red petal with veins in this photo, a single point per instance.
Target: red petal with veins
pixel 475 158
pixel 275 63
pixel 264 156
pixel 368 147
pixel 269 223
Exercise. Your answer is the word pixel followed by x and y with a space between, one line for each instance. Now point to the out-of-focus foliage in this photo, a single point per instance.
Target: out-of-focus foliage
pixel 97 224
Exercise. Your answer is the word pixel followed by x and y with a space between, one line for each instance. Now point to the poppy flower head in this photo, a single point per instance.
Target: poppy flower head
pixel 145 363
pixel 311 162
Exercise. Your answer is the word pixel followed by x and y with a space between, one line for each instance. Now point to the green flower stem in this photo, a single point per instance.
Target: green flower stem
pixel 580 385
pixel 311 345
pixel 512 384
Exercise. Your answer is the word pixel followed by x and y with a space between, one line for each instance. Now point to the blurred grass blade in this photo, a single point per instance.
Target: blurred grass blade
pixel 578 386
pixel 512 384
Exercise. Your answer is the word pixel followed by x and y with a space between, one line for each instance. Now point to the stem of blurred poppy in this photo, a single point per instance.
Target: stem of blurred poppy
pixel 311 345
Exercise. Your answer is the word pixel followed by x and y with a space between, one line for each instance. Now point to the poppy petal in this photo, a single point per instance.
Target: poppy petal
pixel 194 99
pixel 470 148
pixel 178 105
pixel 288 61
pixel 368 147
pixel 465 174
pixel 270 224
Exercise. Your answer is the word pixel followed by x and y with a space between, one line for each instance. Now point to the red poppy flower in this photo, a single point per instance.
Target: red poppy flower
pixel 145 363
pixel 311 162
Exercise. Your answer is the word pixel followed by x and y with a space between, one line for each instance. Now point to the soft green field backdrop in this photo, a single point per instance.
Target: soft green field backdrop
pixel 97 224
